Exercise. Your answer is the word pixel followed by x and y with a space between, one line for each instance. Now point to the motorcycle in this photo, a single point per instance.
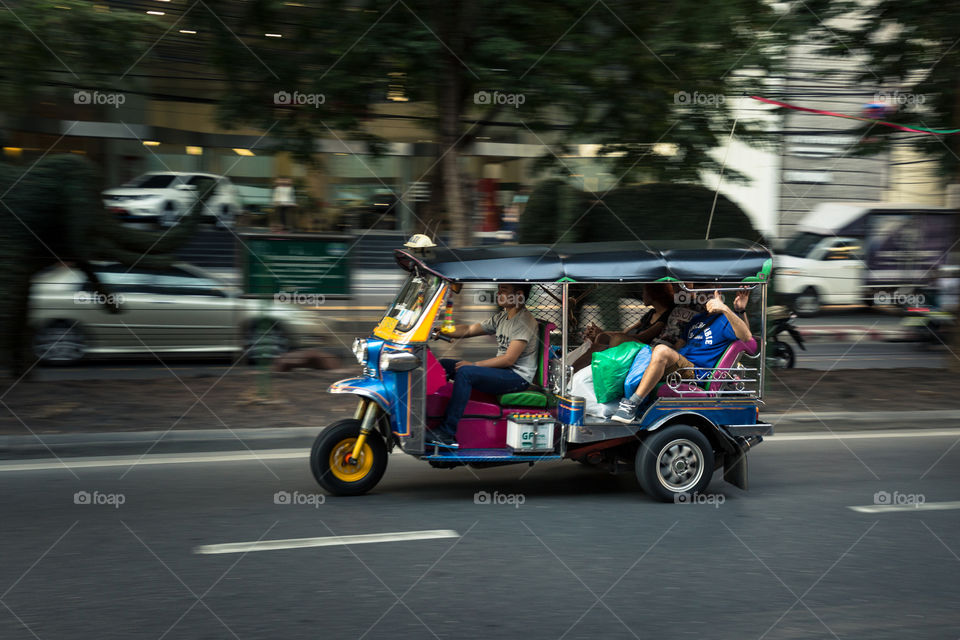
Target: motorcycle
pixel 779 352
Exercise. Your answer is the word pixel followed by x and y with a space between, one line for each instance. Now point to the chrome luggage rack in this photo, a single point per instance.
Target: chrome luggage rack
pixel 734 381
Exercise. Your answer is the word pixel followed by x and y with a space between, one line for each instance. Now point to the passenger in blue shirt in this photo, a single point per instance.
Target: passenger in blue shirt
pixel 707 337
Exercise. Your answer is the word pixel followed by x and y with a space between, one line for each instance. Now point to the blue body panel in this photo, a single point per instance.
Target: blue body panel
pixel 486 455
pixel 389 389
pixel 716 413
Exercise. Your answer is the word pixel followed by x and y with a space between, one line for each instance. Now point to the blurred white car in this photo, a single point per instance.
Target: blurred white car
pixel 164 197
pixel 180 310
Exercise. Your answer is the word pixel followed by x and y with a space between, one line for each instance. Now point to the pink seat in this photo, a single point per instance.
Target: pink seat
pixel 728 360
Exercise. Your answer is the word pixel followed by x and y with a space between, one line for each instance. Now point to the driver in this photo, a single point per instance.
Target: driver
pixel 511 370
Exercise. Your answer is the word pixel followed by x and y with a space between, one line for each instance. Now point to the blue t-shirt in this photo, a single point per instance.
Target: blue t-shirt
pixel 708 337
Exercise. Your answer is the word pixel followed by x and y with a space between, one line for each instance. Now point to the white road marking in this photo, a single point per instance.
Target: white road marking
pixel 862 435
pixel 926 506
pixel 46 464
pixel 329 541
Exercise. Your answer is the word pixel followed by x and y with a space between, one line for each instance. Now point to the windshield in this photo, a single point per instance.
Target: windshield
pixel 413 298
pixel 156 181
pixel 801 244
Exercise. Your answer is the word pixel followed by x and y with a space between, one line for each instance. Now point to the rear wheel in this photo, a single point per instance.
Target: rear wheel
pixel 266 341
pixel 807 303
pixel 332 468
pixel 781 355
pixel 674 463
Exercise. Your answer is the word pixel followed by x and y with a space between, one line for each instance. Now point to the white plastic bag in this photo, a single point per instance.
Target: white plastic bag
pixel 582 385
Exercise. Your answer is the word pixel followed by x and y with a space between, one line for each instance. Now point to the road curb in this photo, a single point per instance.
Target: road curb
pixel 854 334
pixel 72 444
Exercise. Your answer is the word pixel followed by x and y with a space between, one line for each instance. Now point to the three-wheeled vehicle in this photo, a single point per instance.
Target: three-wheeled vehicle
pixel 688 427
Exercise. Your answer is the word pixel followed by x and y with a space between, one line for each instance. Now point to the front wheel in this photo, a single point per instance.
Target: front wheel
pixel 331 467
pixel 675 463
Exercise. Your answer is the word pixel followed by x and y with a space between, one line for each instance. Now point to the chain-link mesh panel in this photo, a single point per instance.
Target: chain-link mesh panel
pixel 614 307
pixel 611 307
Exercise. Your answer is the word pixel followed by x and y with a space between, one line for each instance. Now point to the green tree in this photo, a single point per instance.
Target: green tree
pixel 909 51
pixel 67 44
pixel 618 73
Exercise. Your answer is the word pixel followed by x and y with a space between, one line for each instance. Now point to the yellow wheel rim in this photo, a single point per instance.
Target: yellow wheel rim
pixel 345 471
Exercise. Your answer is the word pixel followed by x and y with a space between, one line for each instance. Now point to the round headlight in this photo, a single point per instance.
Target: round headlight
pixel 360 350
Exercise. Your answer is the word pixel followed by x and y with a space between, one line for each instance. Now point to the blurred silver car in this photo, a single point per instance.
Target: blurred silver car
pixel 181 310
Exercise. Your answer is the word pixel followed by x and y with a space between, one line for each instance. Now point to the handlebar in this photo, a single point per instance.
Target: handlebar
pixel 436 335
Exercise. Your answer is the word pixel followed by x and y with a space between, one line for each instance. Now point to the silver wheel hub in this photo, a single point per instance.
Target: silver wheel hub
pixel 680 465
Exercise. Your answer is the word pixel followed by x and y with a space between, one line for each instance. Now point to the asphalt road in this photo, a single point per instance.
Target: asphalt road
pixel 560 550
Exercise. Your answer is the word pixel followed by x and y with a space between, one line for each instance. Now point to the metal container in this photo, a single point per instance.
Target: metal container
pixel 570 410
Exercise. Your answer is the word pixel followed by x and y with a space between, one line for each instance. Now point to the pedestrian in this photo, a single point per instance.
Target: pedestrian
pixel 284 202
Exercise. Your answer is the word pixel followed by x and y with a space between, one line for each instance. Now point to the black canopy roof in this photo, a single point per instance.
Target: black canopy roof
pixel 721 260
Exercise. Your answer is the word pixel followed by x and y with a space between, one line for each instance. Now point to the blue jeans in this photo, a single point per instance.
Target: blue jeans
pixel 465 379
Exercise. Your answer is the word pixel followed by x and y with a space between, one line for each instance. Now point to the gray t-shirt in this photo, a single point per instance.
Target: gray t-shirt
pixel 522 326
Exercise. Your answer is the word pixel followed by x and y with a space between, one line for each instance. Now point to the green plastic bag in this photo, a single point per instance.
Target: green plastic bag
pixel 610 368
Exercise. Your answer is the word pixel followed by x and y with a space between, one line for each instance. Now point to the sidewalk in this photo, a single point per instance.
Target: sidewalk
pixel 288 409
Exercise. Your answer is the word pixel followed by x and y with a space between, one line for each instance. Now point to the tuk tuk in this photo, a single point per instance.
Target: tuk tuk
pixel 688 427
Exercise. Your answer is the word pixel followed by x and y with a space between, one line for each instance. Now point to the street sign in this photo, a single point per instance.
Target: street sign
pixel 295 263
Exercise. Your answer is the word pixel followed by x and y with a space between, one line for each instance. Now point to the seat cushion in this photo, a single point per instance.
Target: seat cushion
pixel 524 399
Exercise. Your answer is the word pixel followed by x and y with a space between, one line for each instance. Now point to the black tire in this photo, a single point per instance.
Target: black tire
pixel 266 340
pixel 780 351
pixel 674 463
pixel 60 343
pixel 226 219
pixel 338 438
pixel 168 217
pixel 807 304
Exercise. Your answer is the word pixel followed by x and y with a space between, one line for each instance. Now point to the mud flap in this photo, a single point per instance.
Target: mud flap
pixel 735 470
